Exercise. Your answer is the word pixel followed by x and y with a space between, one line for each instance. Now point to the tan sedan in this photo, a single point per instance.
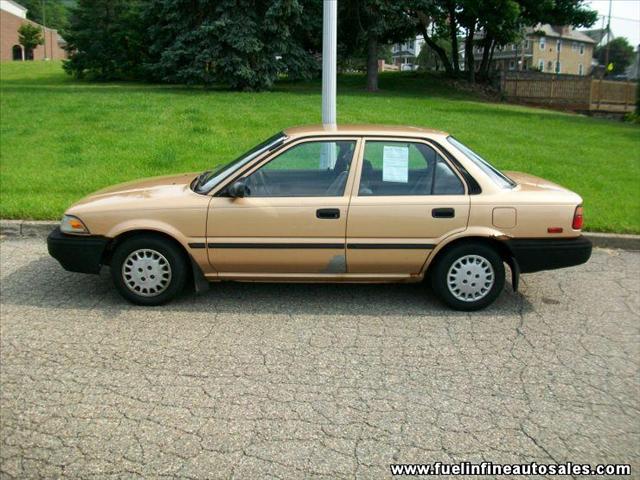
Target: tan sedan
pixel 351 204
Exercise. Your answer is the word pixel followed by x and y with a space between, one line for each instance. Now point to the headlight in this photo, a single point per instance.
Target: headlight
pixel 71 224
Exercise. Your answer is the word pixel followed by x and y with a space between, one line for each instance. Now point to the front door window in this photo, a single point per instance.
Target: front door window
pixel 310 169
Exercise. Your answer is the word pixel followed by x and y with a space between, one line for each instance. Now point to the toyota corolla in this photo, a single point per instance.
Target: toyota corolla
pixel 348 204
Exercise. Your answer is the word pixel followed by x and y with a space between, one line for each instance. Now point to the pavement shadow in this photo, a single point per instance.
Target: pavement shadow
pixel 42 283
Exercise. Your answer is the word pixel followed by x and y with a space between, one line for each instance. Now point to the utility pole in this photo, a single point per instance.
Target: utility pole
pixel 558 48
pixel 606 51
pixel 329 59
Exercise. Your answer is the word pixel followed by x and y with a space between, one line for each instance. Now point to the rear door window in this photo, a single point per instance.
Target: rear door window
pixel 394 168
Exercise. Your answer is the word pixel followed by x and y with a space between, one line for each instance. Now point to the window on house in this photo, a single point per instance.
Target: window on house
pixel 558 45
pixel 550 66
pixel 513 47
pixel 543 43
pixel 581 49
pixel 574 46
pixel 541 65
pixel 580 69
pixel 557 67
pixel 526 44
pixel 512 65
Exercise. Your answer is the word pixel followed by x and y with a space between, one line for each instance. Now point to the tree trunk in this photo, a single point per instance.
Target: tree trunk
pixel 439 51
pixel 469 59
pixel 493 47
pixel 453 32
pixel 372 63
pixel 483 71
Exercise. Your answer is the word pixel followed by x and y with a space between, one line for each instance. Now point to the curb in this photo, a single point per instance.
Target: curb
pixel 26 228
pixel 614 240
pixel 33 228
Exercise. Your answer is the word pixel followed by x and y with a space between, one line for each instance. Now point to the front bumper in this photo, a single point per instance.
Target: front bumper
pixel 77 253
pixel 535 254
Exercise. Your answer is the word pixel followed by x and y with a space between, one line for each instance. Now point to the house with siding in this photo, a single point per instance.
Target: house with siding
pixel 547 49
pixel 405 54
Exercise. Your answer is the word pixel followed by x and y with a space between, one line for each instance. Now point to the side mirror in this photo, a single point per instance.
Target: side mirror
pixel 237 189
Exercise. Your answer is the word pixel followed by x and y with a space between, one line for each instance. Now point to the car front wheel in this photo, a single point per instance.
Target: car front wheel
pixel 148 269
pixel 469 276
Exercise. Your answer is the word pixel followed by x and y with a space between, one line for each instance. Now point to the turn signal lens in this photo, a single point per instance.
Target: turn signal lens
pixel 71 224
pixel 577 219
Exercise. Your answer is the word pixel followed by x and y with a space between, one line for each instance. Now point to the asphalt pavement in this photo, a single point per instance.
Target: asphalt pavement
pixel 313 381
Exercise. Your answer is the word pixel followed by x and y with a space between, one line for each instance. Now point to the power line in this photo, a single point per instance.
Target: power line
pixel 620 18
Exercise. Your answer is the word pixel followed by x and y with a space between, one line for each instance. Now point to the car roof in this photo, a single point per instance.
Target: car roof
pixel 379 130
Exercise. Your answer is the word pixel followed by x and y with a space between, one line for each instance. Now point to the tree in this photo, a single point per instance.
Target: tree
pixel 106 39
pixel 620 54
pixel 29 36
pixel 432 21
pixel 500 21
pixel 367 25
pixel 55 14
pixel 245 44
pixel 428 59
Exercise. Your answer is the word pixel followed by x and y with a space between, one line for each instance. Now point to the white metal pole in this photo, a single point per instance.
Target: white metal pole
pixel 329 56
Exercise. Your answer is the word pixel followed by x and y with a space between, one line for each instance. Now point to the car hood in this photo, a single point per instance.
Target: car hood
pixel 138 190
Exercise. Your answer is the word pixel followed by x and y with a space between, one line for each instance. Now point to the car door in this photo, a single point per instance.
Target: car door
pixel 292 219
pixel 407 199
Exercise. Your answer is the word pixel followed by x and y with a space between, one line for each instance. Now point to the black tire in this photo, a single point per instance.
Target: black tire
pixel 173 255
pixel 448 258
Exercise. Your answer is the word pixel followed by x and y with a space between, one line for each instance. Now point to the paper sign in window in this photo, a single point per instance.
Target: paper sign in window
pixel 395 164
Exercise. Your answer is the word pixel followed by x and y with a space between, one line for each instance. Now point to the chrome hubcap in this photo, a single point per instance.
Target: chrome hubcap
pixel 146 272
pixel 470 278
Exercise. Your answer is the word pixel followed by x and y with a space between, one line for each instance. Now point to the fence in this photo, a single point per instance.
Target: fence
pixel 570 92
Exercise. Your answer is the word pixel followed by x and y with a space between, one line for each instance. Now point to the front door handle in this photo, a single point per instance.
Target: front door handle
pixel 328 213
pixel 443 213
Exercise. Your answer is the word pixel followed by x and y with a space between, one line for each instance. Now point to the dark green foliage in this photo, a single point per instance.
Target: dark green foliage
pixel 105 39
pixel 55 14
pixel 365 26
pixel 557 12
pixel 248 44
pixel 245 44
pixel 620 54
pixel 30 36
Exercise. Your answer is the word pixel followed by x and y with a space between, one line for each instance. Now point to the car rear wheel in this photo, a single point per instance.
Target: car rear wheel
pixel 148 269
pixel 469 276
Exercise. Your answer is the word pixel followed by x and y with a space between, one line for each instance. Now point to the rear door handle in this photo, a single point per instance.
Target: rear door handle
pixel 443 213
pixel 328 213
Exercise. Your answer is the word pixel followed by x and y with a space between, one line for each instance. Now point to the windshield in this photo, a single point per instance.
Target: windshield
pixel 492 172
pixel 207 180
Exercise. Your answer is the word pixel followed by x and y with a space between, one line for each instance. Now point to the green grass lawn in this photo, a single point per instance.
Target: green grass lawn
pixel 62 138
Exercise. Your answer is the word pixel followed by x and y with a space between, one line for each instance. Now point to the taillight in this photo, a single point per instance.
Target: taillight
pixel 577 219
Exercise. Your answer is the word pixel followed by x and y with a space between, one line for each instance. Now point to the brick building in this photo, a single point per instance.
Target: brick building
pixel 12 15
